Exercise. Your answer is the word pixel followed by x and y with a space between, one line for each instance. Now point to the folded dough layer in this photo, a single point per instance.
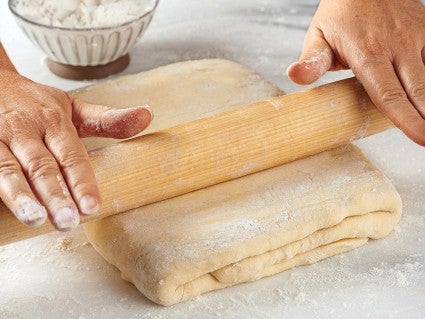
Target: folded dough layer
pixel 249 228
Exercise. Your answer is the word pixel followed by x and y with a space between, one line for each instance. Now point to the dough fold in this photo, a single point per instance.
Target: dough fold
pixel 241 230
pixel 249 228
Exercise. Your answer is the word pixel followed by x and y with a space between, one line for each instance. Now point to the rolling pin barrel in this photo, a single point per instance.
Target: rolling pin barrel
pixel 219 148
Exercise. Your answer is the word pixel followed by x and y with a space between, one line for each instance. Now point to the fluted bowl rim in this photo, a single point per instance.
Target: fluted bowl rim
pixel 91 29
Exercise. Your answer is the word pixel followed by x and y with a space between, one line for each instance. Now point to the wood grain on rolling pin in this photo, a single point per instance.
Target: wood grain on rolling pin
pixel 229 145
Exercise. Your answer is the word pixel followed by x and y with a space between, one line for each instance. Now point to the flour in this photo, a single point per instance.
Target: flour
pixel 64 243
pixel 398 275
pixel 83 13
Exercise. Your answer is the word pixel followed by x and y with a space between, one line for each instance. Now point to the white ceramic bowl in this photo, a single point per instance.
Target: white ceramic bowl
pixel 84 47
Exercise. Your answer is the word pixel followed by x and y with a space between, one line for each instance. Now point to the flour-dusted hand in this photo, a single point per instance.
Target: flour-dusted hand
pixel 383 43
pixel 44 167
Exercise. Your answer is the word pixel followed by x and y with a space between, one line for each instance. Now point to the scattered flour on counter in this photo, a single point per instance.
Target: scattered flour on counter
pixel 291 296
pixel 83 13
pixel 6 313
pixel 410 221
pixel 399 275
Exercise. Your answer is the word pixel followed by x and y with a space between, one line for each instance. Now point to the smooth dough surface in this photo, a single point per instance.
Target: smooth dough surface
pixel 181 92
pixel 245 229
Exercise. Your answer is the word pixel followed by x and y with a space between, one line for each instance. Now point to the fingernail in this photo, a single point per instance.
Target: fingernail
pixel 290 67
pixel 29 211
pixel 66 218
pixel 148 108
pixel 89 205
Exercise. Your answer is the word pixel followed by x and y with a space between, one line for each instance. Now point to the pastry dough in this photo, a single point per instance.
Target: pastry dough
pixel 181 92
pixel 245 229
pixel 248 228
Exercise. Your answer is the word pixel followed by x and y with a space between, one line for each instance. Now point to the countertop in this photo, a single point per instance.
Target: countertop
pixel 59 275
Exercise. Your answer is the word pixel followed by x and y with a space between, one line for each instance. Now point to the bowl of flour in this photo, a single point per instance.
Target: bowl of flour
pixel 84 33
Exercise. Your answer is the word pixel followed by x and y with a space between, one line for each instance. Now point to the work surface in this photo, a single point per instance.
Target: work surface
pixel 61 276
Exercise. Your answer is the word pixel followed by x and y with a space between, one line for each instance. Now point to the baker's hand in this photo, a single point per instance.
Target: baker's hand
pixel 44 167
pixel 383 42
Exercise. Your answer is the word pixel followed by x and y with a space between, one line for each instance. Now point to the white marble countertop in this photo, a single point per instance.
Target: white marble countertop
pixel 61 276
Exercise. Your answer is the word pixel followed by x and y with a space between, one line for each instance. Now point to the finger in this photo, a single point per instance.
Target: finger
pixel 102 121
pixel 16 193
pixel 315 60
pixel 411 72
pixel 44 177
pixel 71 155
pixel 387 93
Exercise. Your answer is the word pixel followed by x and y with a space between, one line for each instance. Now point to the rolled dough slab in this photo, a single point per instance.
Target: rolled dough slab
pixel 181 92
pixel 245 229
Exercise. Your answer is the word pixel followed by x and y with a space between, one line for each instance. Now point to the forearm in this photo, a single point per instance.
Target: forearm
pixel 5 63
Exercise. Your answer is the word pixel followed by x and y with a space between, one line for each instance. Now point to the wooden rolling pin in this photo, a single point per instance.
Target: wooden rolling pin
pixel 219 148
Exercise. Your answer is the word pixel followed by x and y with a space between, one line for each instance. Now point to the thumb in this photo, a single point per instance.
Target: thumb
pixel 102 121
pixel 316 59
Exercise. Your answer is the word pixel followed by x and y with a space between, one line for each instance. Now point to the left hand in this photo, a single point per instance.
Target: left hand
pixel 44 167
pixel 383 42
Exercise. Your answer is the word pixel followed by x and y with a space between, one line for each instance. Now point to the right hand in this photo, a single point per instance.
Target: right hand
pixel 44 167
pixel 384 45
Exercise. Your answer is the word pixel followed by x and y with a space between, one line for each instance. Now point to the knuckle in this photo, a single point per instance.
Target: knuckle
pixel 371 55
pixel 52 116
pixel 373 46
pixel 389 95
pixel 40 166
pixel 368 62
pixel 9 168
pixel 417 91
pixel 20 126
pixel 404 39
pixel 73 158
pixel 13 120
pixel 55 194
